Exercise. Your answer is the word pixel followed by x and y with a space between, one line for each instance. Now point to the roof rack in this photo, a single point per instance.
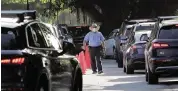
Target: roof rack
pixel 163 18
pixel 140 20
pixel 21 14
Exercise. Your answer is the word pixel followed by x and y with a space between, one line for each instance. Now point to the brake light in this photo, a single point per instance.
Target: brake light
pixel 5 61
pixel 13 61
pixel 159 45
pixel 133 47
pixel 18 60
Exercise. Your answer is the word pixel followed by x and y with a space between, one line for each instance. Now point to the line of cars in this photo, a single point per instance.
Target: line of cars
pixel 150 45
pixel 35 56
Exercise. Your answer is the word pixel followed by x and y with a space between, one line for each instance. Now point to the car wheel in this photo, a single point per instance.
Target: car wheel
pixel 78 84
pixel 129 70
pixel 121 59
pixel 152 78
pixel 124 69
pixel 42 87
pixel 114 53
pixel 146 75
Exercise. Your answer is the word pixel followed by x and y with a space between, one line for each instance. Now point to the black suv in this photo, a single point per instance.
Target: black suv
pixel 161 53
pixel 32 59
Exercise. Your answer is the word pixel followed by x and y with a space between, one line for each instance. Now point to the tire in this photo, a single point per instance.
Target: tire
pixel 152 78
pixel 42 86
pixel 129 70
pixel 121 59
pixel 114 53
pixel 146 75
pixel 124 69
pixel 78 84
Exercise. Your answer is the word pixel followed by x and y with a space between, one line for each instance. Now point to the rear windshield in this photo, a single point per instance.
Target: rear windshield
pixel 168 32
pixel 79 32
pixel 10 39
pixel 141 28
pixel 139 33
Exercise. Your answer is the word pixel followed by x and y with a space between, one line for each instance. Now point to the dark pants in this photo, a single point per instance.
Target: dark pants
pixel 95 54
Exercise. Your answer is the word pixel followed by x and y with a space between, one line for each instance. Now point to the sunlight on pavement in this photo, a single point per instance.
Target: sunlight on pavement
pixel 113 79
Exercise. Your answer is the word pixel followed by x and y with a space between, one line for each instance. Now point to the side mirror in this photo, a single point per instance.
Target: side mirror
pixel 144 37
pixel 70 48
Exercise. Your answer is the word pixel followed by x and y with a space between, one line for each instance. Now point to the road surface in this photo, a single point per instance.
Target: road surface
pixel 114 79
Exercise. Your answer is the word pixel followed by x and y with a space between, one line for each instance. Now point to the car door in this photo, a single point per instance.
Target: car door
pixel 110 44
pixel 60 67
pixel 39 64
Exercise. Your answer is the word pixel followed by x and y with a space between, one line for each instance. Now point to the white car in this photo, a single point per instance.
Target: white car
pixel 110 46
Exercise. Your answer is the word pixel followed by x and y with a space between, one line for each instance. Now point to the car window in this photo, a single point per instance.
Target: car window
pixel 35 37
pixel 146 27
pixel 138 35
pixel 168 32
pixel 9 39
pixel 51 40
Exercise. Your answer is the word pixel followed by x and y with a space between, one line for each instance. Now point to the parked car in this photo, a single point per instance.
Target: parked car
pixel 133 57
pixel 110 46
pixel 78 33
pixel 132 49
pixel 121 37
pixel 32 58
pixel 162 50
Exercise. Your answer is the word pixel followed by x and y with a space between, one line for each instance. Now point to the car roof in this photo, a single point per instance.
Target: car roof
pixel 146 23
pixel 129 26
pixel 12 22
pixel 141 20
pixel 169 22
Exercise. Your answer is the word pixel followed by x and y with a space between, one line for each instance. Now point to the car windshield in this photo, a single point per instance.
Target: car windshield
pixel 169 32
pixel 144 27
pixel 9 39
pixel 139 33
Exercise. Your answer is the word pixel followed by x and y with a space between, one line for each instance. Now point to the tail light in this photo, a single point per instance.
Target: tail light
pixel 159 45
pixel 13 61
pixel 133 47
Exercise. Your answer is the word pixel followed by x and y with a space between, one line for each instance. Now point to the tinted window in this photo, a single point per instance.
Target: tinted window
pixel 51 40
pixel 140 28
pixel 9 39
pixel 35 37
pixel 79 32
pixel 168 32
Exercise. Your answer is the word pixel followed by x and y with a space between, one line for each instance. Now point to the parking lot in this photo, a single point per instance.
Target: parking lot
pixel 114 79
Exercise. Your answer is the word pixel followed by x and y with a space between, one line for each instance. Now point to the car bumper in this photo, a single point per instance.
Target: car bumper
pixel 138 62
pixel 164 66
pixel 12 87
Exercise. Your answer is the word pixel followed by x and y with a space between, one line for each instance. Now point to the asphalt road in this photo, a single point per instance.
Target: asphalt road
pixel 114 79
